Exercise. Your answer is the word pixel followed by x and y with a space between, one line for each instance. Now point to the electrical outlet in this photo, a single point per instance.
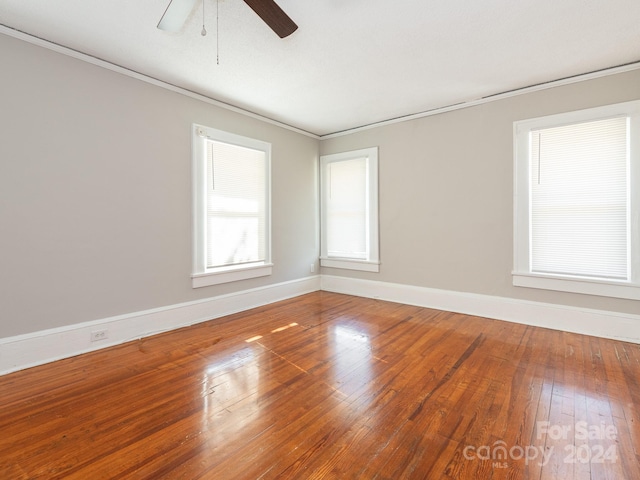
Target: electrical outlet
pixel 98 335
pixel 313 268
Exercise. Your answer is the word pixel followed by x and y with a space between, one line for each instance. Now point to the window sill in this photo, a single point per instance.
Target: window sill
pixel 230 275
pixel 350 264
pixel 615 289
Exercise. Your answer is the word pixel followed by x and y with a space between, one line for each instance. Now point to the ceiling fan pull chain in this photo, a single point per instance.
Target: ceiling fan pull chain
pixel 204 30
pixel 218 32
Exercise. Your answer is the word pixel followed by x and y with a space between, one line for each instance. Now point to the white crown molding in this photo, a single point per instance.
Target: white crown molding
pixel 24 351
pixel 599 323
pixel 10 32
pixel 492 98
pixel 159 83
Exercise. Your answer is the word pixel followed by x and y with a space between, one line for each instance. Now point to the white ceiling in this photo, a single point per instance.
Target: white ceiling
pixel 351 62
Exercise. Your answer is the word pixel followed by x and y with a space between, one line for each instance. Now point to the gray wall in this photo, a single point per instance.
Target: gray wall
pixel 446 192
pixel 95 192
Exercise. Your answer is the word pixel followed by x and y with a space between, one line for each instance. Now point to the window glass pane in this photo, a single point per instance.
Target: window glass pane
pixel 236 205
pixel 579 199
pixel 346 205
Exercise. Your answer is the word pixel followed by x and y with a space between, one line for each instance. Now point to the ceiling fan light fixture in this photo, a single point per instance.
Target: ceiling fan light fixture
pixel 177 12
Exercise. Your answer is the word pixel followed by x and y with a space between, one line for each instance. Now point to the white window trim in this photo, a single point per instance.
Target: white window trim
pixel 201 275
pixel 350 264
pixel 372 263
pixel 522 275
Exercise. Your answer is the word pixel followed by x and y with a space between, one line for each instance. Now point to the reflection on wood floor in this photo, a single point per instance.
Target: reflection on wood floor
pixel 331 386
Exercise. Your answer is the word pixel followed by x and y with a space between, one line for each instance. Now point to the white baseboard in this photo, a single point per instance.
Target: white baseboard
pixel 599 323
pixel 24 351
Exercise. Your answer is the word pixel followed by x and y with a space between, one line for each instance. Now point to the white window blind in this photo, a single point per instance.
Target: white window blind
pixel 236 205
pixel 346 206
pixel 579 187
pixel 349 210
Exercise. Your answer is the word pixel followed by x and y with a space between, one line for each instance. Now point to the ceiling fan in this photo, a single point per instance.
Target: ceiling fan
pixel 268 10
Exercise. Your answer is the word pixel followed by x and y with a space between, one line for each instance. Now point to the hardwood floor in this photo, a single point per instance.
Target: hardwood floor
pixel 331 386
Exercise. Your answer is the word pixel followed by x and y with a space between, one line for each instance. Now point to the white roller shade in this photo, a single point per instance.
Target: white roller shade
pixel 580 199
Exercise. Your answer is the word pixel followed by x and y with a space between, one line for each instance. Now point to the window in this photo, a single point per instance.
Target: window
pixel 231 207
pixel 350 210
pixel 577 201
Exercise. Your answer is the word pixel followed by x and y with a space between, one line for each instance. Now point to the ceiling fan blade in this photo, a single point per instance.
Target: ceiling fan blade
pixel 175 15
pixel 274 16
